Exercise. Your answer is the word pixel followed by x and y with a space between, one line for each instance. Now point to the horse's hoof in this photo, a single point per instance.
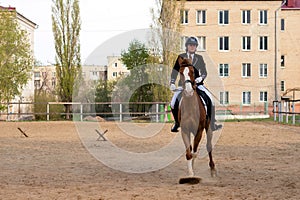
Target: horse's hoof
pixel 213 173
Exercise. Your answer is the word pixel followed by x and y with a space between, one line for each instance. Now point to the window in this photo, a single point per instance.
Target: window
pixel 263 43
pixel 263 70
pixel 224 98
pixel 184 16
pixel 202 43
pixel 37 84
pixel 246 16
pixel 116 64
pixel 53 82
pixel 37 74
pixel 224 43
pixel 223 17
pixel 201 17
pixel 282 59
pixel 223 70
pixel 282 86
pixel 246 43
pixel 263 96
pixel 53 74
pixel 263 17
pixel 115 74
pixel 247 97
pixel 282 24
pixel 246 70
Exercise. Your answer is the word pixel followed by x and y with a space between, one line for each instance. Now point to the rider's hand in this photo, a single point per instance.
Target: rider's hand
pixel 172 87
pixel 199 79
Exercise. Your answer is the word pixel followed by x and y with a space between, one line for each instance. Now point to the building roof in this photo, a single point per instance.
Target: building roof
pixel 291 5
pixel 20 16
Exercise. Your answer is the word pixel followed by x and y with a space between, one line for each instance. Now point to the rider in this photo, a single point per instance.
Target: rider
pixel 200 74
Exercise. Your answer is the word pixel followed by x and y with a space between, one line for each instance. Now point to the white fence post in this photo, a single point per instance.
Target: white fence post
pixel 7 116
pixel 157 116
pixel 279 112
pixel 48 110
pixel 293 110
pixel 274 110
pixel 121 112
pixel 81 109
pixel 286 112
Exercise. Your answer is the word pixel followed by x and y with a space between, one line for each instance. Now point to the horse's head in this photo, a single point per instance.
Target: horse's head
pixel 187 75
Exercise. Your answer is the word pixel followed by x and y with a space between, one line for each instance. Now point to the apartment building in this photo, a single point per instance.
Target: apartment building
pixel 45 76
pixel 289 49
pixel 115 67
pixel 237 40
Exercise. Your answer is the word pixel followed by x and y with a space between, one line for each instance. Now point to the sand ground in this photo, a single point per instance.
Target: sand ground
pixel 255 160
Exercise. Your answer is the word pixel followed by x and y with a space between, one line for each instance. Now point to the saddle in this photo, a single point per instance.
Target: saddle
pixel 204 97
pixel 206 102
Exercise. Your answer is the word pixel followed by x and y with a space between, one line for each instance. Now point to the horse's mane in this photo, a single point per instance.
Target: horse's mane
pixel 184 62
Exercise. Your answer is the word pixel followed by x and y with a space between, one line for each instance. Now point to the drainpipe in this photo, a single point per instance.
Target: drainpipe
pixel 276 49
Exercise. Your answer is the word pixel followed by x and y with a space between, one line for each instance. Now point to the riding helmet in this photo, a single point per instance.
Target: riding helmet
pixel 191 40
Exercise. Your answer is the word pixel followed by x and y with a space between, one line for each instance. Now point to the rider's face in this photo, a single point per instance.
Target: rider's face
pixel 191 48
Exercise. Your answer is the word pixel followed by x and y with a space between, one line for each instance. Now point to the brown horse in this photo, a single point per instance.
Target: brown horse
pixel 192 116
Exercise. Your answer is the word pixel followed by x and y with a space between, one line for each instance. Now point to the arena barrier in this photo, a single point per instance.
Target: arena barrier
pixel 287 111
pixel 121 111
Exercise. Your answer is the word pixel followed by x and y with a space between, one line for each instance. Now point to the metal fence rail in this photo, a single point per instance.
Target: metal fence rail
pixel 156 111
pixel 288 109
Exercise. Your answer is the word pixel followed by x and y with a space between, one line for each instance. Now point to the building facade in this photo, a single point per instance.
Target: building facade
pixel 45 76
pixel 243 48
pixel 289 49
pixel 115 68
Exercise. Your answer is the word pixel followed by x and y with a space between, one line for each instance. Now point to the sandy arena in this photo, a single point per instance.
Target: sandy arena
pixel 255 160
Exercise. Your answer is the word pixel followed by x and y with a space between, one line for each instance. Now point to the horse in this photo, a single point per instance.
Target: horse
pixel 192 117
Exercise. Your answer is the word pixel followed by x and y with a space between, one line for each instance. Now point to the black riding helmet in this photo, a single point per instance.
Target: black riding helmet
pixel 191 40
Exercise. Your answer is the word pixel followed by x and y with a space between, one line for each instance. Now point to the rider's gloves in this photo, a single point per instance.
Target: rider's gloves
pixel 199 79
pixel 172 87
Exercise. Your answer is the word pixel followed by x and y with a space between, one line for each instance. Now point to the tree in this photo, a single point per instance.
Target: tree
pixel 165 42
pixel 66 26
pixel 166 30
pixel 103 93
pixel 16 59
pixel 135 59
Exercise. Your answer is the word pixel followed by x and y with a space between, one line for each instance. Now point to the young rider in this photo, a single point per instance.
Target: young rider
pixel 200 74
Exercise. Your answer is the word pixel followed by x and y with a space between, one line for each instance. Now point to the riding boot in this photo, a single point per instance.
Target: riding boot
pixel 213 120
pixel 175 115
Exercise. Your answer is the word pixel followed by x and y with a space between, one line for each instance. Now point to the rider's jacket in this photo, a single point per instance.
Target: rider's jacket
pixel 199 68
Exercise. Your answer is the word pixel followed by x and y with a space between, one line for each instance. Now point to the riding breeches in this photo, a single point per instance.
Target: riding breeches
pixel 177 96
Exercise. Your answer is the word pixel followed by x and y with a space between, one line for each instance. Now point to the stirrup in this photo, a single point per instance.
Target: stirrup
pixel 216 127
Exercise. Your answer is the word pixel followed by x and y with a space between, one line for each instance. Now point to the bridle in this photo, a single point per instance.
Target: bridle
pixel 192 82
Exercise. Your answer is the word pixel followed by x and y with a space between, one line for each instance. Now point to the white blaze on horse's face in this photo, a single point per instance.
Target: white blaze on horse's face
pixel 189 91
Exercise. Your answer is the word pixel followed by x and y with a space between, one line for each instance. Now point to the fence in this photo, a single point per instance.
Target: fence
pixel 156 111
pixel 288 108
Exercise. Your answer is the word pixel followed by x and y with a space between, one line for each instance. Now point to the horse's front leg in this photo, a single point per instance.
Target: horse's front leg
pixel 186 136
pixel 197 140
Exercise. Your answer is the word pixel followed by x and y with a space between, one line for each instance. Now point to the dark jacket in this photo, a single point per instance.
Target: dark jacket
pixel 199 68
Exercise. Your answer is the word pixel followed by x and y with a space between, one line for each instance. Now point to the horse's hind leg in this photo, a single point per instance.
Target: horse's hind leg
pixel 209 135
pixel 197 139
